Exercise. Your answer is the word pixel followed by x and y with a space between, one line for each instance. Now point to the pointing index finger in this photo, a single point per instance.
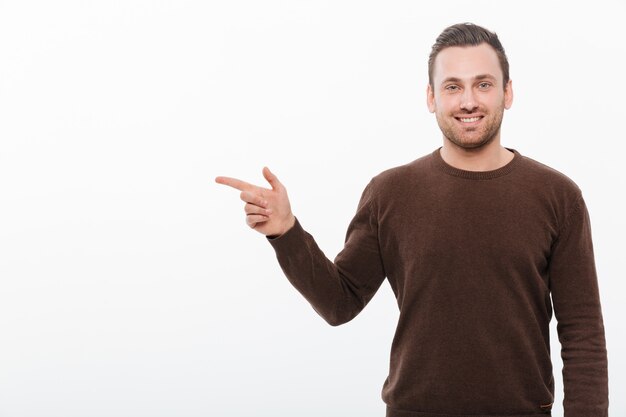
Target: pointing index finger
pixel 235 183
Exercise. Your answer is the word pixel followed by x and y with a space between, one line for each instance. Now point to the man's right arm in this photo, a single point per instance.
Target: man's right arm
pixel 337 290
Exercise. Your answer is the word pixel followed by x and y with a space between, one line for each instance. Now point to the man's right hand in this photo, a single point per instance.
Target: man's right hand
pixel 267 210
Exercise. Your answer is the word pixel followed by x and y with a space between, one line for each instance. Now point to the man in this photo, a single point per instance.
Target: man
pixel 479 244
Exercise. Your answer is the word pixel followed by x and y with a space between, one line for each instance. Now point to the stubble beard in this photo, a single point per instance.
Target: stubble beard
pixel 471 138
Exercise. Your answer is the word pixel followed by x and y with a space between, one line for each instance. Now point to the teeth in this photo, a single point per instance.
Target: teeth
pixel 473 119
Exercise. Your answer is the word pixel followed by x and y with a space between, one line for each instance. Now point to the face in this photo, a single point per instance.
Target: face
pixel 468 96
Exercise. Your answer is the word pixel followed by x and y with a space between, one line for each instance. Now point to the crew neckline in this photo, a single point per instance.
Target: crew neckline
pixel 475 175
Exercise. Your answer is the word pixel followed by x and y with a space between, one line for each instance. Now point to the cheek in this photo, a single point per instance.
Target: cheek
pixel 495 100
pixel 446 105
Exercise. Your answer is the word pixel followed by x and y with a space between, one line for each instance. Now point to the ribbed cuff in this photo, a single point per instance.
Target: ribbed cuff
pixel 393 412
pixel 287 237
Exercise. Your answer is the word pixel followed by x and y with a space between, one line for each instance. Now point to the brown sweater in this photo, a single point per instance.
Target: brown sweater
pixel 473 259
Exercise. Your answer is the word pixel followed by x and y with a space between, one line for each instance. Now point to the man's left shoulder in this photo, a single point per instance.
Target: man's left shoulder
pixel 548 177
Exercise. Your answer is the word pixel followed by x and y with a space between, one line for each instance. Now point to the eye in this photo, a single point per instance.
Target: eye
pixel 452 87
pixel 484 85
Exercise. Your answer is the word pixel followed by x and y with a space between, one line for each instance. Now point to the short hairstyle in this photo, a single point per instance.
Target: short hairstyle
pixel 467 34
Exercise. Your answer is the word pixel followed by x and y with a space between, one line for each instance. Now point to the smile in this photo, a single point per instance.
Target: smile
pixel 469 119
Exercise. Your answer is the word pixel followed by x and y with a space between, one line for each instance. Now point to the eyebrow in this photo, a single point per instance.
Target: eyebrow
pixel 476 78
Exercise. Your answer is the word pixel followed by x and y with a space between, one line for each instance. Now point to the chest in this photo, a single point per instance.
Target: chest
pixel 448 227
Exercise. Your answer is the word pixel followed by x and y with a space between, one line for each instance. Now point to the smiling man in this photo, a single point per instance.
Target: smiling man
pixel 468 103
pixel 480 245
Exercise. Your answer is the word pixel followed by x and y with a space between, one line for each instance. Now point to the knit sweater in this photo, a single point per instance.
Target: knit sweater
pixel 478 261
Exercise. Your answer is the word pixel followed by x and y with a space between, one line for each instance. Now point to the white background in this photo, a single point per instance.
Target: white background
pixel 130 284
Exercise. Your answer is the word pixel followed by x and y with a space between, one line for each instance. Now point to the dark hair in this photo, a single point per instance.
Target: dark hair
pixel 467 34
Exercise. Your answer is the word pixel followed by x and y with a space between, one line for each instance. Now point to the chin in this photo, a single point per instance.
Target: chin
pixel 471 144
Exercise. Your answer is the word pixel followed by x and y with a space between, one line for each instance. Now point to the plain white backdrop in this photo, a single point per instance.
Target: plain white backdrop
pixel 130 284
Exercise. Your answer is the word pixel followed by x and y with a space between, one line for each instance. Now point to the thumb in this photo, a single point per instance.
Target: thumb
pixel 271 178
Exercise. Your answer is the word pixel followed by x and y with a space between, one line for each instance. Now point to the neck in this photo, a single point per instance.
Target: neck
pixel 485 158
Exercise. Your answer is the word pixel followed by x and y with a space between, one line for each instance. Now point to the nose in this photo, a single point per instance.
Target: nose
pixel 468 101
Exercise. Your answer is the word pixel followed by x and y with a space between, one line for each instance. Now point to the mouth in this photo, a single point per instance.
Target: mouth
pixel 469 120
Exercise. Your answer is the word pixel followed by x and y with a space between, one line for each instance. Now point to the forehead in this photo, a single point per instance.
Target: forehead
pixel 466 62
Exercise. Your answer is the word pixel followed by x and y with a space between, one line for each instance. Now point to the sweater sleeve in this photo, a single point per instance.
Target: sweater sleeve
pixel 576 300
pixel 338 290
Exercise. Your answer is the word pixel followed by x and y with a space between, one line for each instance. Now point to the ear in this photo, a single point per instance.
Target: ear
pixel 508 95
pixel 430 99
